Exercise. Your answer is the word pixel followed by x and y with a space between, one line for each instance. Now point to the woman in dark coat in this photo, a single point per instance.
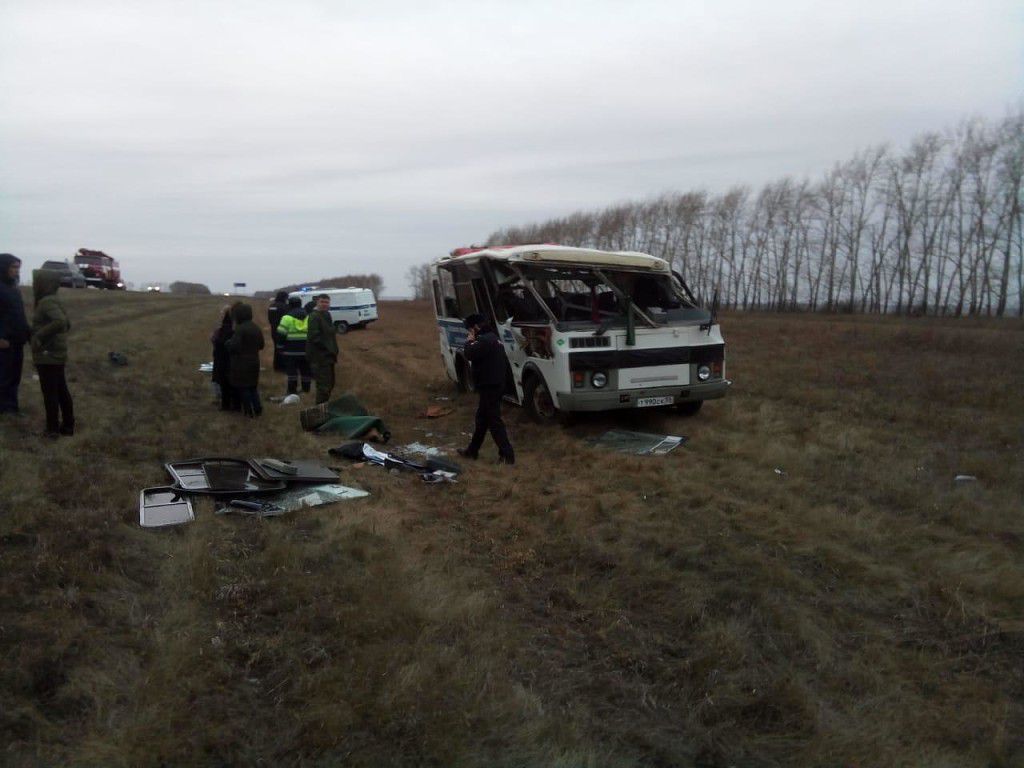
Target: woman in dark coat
pixel 244 349
pixel 222 363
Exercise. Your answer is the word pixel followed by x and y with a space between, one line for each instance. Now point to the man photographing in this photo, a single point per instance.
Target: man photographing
pixel 487 356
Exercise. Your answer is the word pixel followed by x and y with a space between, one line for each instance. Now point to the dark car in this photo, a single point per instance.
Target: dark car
pixel 70 275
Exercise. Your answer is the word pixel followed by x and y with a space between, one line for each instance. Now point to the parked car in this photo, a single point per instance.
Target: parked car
pixel 70 275
pixel 350 307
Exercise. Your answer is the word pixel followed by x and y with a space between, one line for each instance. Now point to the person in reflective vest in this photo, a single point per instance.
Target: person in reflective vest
pixel 292 332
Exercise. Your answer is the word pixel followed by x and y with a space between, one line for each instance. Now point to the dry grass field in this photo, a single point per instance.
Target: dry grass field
pixel 579 609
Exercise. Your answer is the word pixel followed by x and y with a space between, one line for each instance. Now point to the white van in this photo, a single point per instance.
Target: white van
pixel 350 307
pixel 583 330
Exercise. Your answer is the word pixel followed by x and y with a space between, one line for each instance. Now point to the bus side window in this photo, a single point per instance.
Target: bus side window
pixel 438 302
pixel 447 304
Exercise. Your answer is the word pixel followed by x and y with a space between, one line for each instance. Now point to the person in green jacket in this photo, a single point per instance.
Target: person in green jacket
pixel 50 328
pixel 322 347
pixel 244 348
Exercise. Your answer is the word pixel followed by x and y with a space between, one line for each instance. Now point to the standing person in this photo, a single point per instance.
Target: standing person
pixel 222 362
pixel 293 329
pixel 244 349
pixel 322 347
pixel 50 328
pixel 277 309
pixel 487 355
pixel 14 332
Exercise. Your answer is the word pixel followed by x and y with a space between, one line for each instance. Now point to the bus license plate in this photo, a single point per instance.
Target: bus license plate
pixel 647 402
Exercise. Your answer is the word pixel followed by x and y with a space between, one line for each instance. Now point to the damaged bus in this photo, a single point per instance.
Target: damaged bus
pixel 583 329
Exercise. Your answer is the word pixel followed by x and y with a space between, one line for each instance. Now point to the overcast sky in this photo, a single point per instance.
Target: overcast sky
pixel 277 142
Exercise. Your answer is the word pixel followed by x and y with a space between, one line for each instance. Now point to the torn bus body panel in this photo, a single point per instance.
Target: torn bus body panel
pixel 297 471
pixel 219 476
pixel 162 506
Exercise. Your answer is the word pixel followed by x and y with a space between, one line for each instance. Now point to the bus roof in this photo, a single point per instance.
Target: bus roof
pixel 560 254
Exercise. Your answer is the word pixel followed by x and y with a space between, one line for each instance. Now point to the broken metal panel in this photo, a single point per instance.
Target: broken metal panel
pixel 638 443
pixel 164 506
pixel 297 471
pixel 217 475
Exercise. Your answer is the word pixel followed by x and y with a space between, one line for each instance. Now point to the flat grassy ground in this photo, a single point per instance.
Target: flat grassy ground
pixel 579 609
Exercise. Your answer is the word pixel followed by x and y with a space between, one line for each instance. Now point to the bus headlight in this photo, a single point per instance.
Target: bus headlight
pixel 704 373
pixel 599 379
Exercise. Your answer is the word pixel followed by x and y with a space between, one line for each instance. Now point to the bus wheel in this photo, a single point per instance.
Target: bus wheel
pixel 341 327
pixel 689 407
pixel 538 402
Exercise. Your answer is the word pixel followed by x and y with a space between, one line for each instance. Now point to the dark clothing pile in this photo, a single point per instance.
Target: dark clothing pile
pixel 244 351
pixel 487 357
pixel 15 331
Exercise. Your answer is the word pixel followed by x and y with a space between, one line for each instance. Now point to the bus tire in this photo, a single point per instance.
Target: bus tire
pixel 689 407
pixel 538 402
pixel 341 327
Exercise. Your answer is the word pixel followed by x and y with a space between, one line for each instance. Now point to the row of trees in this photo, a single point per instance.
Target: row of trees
pixel 372 281
pixel 935 228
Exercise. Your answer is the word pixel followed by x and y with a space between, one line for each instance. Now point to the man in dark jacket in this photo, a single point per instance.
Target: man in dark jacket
pixel 50 328
pixel 14 332
pixel 487 356
pixel 322 347
pixel 244 347
pixel 277 309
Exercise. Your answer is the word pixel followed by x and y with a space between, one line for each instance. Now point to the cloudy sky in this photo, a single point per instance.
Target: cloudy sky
pixel 276 142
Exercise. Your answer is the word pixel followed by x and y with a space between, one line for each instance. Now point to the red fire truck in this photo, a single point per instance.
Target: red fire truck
pixel 99 269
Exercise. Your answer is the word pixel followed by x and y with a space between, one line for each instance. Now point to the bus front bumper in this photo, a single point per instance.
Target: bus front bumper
pixel 608 400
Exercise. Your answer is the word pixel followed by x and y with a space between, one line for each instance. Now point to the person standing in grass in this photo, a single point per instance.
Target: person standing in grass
pixel 14 332
pixel 487 355
pixel 244 350
pixel 293 330
pixel 50 328
pixel 277 309
pixel 222 362
pixel 322 347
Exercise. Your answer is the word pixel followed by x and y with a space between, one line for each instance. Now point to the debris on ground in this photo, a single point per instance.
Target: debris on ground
pixel 345 416
pixel 291 500
pixel 291 399
pixel 366 453
pixel 263 487
pixel 638 443
pixel 421 449
pixel 164 506
pixel 780 472
pixel 965 479
pixel 118 358
pixel 206 367
pixel 436 412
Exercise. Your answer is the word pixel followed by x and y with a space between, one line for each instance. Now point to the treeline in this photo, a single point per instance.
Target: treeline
pixel 190 289
pixel 373 282
pixel 935 228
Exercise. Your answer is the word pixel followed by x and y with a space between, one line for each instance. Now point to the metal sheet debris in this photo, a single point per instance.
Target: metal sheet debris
pixel 163 506
pixel 221 476
pixel 638 443
pixel 297 471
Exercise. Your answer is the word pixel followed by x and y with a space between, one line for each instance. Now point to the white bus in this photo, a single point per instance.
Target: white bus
pixel 583 330
pixel 350 307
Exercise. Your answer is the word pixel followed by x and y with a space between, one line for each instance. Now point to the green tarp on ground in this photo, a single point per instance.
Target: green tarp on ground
pixel 345 416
